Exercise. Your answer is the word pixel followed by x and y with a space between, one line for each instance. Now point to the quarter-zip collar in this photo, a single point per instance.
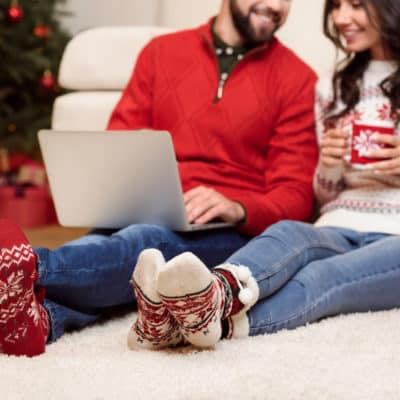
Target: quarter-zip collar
pixel 207 35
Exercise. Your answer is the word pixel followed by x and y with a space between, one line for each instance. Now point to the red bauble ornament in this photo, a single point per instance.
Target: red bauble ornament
pixel 42 31
pixel 15 13
pixel 47 81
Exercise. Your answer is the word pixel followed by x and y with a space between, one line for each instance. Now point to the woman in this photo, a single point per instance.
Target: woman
pixel 295 273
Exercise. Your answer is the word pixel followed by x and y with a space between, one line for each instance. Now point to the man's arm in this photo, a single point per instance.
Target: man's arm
pixel 289 165
pixel 134 109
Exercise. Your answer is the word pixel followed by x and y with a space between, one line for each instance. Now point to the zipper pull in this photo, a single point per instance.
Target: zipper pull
pixel 221 85
pixel 220 90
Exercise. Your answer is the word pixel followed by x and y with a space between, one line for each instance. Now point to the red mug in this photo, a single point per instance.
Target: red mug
pixel 361 142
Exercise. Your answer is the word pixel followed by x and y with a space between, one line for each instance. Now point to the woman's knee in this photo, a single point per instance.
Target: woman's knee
pixel 286 229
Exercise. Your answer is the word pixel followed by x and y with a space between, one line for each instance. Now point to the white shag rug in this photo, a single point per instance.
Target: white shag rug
pixel 347 357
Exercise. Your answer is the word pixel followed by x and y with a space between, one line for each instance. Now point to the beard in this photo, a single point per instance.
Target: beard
pixel 249 33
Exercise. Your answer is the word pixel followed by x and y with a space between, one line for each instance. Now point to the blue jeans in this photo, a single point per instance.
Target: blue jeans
pixel 307 273
pixel 89 275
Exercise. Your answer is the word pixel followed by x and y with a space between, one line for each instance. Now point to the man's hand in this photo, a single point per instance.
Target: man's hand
pixel 204 204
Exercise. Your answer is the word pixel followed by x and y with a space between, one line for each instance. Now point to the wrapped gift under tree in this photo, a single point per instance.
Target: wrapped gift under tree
pixel 24 192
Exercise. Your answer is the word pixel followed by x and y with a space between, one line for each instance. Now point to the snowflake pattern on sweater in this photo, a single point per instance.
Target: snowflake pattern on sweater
pixel 360 192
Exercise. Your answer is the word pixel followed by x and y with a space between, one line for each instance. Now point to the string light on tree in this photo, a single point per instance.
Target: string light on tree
pixel 42 31
pixel 32 42
pixel 15 13
pixel 47 81
pixel 11 128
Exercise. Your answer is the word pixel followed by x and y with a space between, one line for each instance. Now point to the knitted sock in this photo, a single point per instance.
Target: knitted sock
pixel 199 300
pixel 245 293
pixel 155 327
pixel 24 323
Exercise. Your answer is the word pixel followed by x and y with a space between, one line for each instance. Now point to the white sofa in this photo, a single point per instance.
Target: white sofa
pixel 97 62
pixel 96 66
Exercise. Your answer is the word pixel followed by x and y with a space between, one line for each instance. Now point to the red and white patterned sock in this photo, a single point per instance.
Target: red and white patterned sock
pixel 155 328
pixel 24 323
pixel 245 292
pixel 199 300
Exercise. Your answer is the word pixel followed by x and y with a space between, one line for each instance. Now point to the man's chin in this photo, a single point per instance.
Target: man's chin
pixel 262 37
pixel 263 34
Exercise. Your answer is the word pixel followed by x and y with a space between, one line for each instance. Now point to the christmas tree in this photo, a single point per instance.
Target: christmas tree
pixel 31 45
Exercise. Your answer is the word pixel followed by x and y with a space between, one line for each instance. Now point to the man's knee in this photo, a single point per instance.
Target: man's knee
pixel 148 235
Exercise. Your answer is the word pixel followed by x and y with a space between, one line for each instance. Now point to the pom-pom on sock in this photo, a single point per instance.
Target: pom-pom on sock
pixel 245 292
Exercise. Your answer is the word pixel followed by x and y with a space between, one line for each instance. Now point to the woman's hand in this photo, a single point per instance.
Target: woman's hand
pixel 390 154
pixel 333 147
pixel 204 204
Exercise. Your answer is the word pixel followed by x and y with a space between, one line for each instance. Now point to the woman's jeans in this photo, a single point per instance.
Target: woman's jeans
pixel 87 276
pixel 307 273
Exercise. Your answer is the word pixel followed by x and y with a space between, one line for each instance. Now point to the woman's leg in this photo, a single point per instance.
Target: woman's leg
pixel 365 279
pixel 283 249
pixel 210 306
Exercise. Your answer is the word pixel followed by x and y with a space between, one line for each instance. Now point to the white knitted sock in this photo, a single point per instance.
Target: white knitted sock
pixel 199 299
pixel 155 328
pixel 188 290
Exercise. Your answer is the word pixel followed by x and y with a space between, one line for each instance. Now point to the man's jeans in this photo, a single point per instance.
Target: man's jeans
pixel 306 273
pixel 88 275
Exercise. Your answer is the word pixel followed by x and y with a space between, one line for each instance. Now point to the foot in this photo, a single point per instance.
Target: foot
pixel 24 324
pixel 200 300
pixel 244 291
pixel 155 328
pixel 194 297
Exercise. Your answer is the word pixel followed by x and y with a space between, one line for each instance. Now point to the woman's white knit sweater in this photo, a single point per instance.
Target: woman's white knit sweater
pixel 353 198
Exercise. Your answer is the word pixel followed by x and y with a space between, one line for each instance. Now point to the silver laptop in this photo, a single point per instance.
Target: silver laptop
pixel 114 179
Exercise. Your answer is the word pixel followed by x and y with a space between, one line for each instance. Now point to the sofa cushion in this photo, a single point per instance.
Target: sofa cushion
pixel 84 110
pixel 103 58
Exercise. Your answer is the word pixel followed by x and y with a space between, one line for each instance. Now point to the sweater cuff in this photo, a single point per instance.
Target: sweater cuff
pixel 329 180
pixel 254 224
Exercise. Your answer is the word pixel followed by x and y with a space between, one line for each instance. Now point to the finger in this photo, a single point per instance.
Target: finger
pixel 388 172
pixel 201 208
pixel 338 143
pixel 334 152
pixel 332 141
pixel 390 140
pixel 212 213
pixel 192 193
pixel 199 198
pixel 331 161
pixel 384 165
pixel 336 133
pixel 391 153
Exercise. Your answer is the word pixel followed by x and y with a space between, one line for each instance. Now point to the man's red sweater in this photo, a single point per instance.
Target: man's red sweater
pixel 256 145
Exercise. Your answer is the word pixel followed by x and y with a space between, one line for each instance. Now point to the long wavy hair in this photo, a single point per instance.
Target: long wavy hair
pixel 349 72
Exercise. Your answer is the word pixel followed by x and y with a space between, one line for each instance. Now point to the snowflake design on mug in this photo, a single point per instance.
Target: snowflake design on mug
pixel 363 144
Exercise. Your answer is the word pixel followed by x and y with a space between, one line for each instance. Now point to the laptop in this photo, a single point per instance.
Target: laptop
pixel 111 179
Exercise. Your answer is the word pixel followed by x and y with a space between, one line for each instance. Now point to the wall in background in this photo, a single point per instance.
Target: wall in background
pixel 302 32
pixel 91 13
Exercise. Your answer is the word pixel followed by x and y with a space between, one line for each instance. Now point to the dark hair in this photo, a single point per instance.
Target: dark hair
pixel 348 72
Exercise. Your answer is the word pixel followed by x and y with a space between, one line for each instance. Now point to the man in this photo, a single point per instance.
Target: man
pixel 239 106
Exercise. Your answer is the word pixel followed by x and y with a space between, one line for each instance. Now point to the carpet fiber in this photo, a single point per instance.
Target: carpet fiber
pixel 347 357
